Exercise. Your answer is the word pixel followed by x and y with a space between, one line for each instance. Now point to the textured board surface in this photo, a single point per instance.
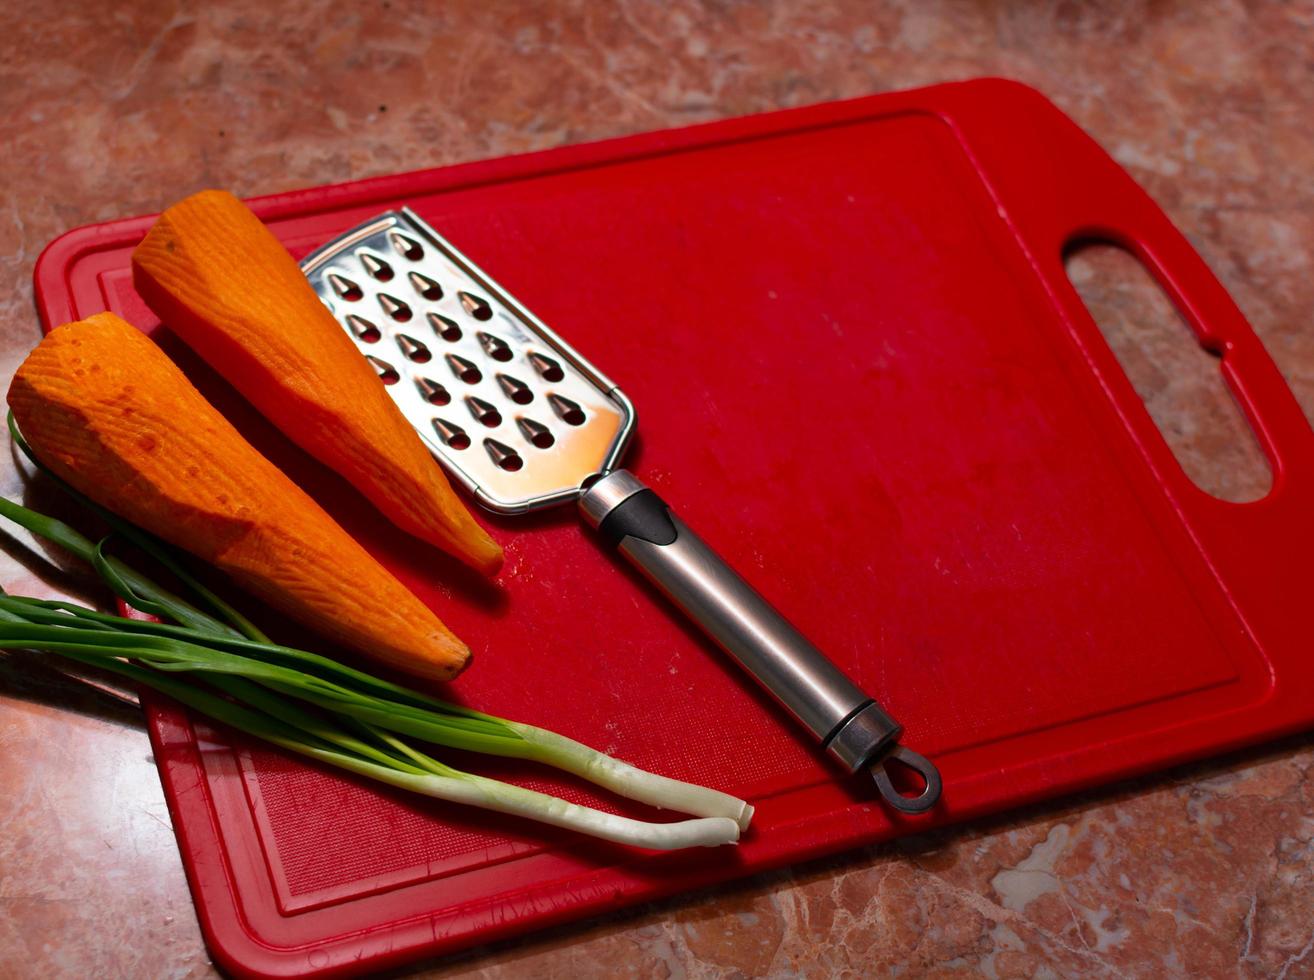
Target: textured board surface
pixel 862 374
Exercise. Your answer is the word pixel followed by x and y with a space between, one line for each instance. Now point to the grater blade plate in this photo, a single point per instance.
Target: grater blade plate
pixel 512 412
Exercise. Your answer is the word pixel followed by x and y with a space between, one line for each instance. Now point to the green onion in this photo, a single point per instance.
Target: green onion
pixel 327 711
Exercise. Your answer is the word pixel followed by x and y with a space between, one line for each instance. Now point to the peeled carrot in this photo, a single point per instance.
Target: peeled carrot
pixel 106 410
pixel 220 279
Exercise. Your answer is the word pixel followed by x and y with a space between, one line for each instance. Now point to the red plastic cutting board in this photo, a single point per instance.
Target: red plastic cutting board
pixel 862 373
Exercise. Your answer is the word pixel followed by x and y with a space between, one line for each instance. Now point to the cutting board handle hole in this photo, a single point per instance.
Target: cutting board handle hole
pixel 1176 374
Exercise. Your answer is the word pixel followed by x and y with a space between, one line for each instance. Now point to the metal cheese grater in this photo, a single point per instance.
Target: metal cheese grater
pixel 519 418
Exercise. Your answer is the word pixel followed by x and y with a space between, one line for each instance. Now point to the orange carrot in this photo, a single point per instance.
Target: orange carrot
pixel 107 411
pixel 224 283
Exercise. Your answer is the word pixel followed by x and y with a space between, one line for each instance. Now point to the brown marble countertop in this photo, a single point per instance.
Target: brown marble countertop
pixel 114 109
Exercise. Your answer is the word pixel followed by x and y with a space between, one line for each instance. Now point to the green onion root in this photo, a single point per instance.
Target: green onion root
pixel 629 781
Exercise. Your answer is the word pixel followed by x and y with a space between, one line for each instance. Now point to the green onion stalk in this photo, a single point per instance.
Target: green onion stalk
pixel 207 656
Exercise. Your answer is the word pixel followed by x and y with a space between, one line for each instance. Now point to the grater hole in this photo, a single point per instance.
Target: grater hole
pixel 406 246
pixel 567 410
pixel 515 389
pixel 475 306
pixel 375 266
pixel 345 287
pixel 413 349
pixel 536 432
pixel 363 329
pixel 394 307
pixel 426 287
pixel 484 412
pixel 502 456
pixel 494 347
pixel 386 372
pixel 463 369
pixel 452 435
pixel 548 369
pixel 445 328
pixel 433 392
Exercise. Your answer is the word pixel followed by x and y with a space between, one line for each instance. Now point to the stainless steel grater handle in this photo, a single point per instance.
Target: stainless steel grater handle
pixel 850 724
